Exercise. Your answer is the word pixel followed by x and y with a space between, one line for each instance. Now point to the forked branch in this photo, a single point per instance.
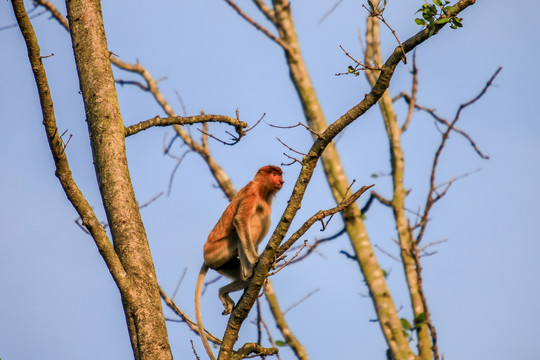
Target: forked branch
pixel 432 198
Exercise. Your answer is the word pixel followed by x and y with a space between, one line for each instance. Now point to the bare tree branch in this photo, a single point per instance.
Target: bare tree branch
pixel 56 145
pixel 190 120
pixel 414 91
pixel 192 325
pixel 431 199
pixel 257 25
pixel 317 217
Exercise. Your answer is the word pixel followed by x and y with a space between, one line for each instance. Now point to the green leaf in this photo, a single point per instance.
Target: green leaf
pixel 371 5
pixel 405 324
pixel 438 3
pixel 443 21
pixel 427 17
pixel 374 176
pixel 420 22
pixel 281 343
pixel 420 318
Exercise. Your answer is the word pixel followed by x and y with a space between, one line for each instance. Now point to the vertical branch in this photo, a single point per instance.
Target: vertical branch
pixel 414 90
pixel 292 341
pixel 397 161
pixel 427 313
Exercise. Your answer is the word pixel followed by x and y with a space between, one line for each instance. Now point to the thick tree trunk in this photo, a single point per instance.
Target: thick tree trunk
pixel 140 297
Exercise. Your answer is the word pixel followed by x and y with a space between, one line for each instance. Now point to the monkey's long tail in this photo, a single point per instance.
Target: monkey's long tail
pixel 198 290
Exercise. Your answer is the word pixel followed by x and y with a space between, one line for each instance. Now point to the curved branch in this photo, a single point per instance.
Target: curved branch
pixel 190 120
pixel 252 348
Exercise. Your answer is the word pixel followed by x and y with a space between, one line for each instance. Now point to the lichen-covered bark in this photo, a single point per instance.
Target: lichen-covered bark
pixel 338 182
pixel 397 161
pixel 292 341
pixel 141 299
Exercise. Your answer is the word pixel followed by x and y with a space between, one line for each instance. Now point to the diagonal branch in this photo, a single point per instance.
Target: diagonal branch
pixel 319 216
pixel 266 10
pixel 309 162
pixel 63 171
pixel 192 325
pixel 258 26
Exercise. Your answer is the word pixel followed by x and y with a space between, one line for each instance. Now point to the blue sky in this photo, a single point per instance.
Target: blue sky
pixel 58 300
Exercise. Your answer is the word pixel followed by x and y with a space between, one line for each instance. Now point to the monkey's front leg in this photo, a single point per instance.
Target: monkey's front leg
pixel 248 260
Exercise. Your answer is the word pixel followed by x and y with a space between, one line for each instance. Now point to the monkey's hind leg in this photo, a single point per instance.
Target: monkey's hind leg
pixel 228 303
pixel 232 270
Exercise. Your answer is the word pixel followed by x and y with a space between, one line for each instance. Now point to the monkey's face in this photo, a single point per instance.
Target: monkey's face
pixel 276 180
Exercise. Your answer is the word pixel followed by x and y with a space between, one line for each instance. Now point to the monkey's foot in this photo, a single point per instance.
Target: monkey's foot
pixel 228 304
pixel 228 308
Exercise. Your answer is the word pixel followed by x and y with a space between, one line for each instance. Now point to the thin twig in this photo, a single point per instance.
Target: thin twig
pixel 320 215
pixel 194 351
pixel 179 283
pixel 277 40
pixel 192 325
pixel 378 14
pixel 132 82
pixel 388 254
pixel 257 123
pixel 330 11
pixel 171 178
pixel 287 262
pixel 414 91
pixel 310 294
pixel 445 122
pixel 358 63
pixel 290 148
pixel 293 126
pixel 431 199
pixel 312 248
pixel 150 201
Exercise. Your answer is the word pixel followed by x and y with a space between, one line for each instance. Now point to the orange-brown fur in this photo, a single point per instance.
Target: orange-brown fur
pixel 231 247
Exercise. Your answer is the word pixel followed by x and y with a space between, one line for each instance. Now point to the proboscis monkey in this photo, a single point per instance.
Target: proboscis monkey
pixel 231 247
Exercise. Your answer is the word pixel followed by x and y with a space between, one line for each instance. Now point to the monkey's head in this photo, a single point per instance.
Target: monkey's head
pixel 271 177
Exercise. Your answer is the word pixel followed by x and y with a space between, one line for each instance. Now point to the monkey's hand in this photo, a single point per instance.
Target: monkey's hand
pixel 247 270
